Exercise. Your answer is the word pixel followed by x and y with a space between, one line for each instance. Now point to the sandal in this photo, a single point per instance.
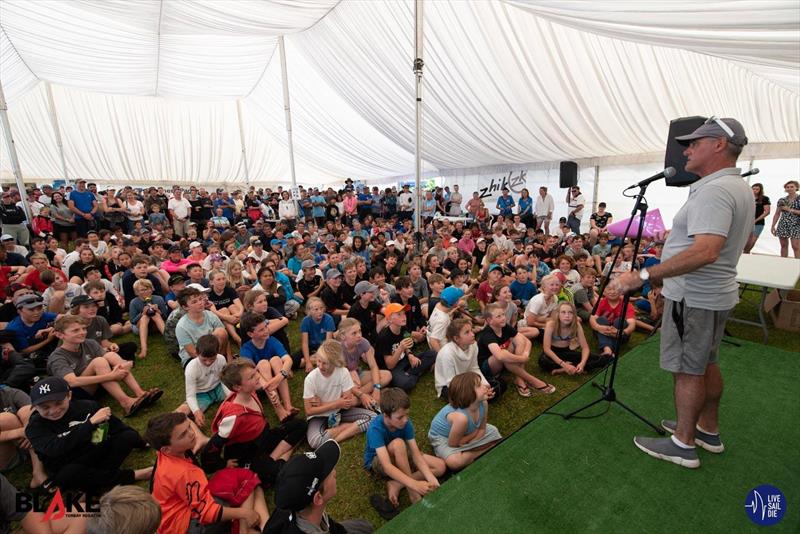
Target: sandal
pixel 384 508
pixel 152 396
pixel 137 405
pixel 546 389
pixel 524 391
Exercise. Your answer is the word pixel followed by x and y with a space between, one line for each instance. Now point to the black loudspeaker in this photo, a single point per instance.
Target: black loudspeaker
pixel 674 156
pixel 568 174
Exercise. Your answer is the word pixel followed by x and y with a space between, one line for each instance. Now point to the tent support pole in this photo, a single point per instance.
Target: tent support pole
pixel 596 193
pixel 56 130
pixel 287 109
pixel 241 138
pixel 418 65
pixel 12 153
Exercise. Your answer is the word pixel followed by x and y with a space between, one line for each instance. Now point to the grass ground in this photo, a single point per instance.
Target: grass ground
pixel 354 484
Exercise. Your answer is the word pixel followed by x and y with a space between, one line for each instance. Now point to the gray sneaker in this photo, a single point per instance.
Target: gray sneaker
pixel 665 449
pixel 710 442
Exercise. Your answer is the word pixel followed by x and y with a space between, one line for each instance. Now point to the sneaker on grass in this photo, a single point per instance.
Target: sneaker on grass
pixel 666 449
pixel 710 442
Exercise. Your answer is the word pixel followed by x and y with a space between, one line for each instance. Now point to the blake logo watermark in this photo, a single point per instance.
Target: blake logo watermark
pixel 765 505
pixel 69 504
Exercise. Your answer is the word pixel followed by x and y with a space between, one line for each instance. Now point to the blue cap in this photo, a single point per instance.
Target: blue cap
pixel 494 267
pixel 450 295
pixel 276 242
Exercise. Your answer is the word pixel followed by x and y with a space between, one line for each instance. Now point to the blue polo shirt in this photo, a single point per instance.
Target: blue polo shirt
pixel 83 201
pixel 24 335
pixel 504 204
pixel 318 211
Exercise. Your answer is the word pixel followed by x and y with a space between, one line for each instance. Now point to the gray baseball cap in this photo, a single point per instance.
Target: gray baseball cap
pixel 365 287
pixel 730 129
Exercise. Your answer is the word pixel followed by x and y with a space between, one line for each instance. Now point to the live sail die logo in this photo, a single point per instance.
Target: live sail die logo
pixel 765 505
pixel 515 182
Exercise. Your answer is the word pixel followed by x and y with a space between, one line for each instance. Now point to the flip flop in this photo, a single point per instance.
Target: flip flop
pixel 384 508
pixel 546 389
pixel 524 391
pixel 152 396
pixel 137 405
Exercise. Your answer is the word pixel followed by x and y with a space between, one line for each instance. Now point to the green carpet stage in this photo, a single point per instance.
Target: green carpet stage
pixel 587 476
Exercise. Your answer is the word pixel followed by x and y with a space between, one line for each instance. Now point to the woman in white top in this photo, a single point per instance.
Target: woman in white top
pixel 287 210
pixel 134 210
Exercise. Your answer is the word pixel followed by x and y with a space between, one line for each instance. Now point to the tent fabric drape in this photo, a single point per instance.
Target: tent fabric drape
pixel 145 90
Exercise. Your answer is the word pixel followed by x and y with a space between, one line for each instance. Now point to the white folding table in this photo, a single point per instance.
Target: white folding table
pixel 767 272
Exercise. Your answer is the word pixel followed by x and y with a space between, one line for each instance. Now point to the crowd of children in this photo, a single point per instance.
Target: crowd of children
pixel 479 305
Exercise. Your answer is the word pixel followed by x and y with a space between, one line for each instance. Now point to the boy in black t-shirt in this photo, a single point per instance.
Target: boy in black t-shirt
pixel 393 350
pixel 367 311
pixel 311 283
pixel 500 347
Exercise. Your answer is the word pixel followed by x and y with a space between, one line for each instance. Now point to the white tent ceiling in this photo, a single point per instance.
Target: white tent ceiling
pixel 146 90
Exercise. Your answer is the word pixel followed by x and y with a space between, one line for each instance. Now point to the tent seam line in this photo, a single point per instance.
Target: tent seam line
pixel 18 54
pixel 158 47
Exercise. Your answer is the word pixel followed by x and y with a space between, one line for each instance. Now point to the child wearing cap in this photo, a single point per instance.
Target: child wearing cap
pixel 272 362
pixel 459 432
pixel 242 433
pixel 81 445
pixel 449 303
pixel 310 283
pixel 175 262
pixel 181 488
pixel 85 365
pixel 393 350
pixel 316 327
pixel 145 311
pixel 367 310
pixel 329 398
pixel 390 451
pixel 305 486
pixel 332 296
pixel 177 282
pixel 32 330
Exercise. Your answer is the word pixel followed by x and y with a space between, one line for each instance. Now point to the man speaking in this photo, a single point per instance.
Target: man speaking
pixel 698 272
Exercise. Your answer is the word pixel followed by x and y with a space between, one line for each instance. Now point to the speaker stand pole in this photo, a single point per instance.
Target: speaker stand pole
pixel 609 394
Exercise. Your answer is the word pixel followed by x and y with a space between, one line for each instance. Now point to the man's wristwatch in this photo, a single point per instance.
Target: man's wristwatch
pixel 377 386
pixel 644 275
pixel 284 373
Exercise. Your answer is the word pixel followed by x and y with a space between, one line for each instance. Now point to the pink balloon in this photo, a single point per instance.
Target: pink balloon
pixel 653 224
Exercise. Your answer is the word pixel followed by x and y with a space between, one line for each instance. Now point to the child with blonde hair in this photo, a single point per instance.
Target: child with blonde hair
pixel 459 433
pixel 565 349
pixel 146 309
pixel 356 349
pixel 329 396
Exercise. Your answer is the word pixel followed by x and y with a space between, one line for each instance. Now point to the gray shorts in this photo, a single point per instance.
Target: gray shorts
pixel 691 352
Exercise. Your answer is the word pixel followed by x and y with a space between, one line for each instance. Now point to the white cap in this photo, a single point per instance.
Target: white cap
pixel 194 244
pixel 7 237
pixel 390 242
pixel 199 288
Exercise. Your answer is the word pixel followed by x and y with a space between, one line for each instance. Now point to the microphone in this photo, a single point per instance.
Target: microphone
pixel 669 172
pixel 751 172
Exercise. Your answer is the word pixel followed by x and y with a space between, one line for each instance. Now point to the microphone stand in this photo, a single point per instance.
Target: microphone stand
pixel 609 394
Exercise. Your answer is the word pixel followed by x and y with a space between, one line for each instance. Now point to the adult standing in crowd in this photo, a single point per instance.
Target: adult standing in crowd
pixel 599 220
pixel 525 208
pixel 474 204
pixel 762 211
pixel 543 210
pixel 180 209
pixel 698 272
pixel 786 222
pixel 454 204
pixel 405 204
pixel 575 204
pixel 505 203
pixel 83 204
pixel 13 219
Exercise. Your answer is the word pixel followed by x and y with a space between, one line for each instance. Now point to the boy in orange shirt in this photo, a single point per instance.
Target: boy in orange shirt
pixel 181 487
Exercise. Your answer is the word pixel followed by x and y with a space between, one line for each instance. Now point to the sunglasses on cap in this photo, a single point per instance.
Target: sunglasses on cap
pixel 721 124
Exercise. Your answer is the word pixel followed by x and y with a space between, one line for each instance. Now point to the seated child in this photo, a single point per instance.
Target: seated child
pixel 500 347
pixel 203 385
pixel 449 303
pixel 85 365
pixel 564 346
pixel 146 309
pixel 273 365
pixel 608 320
pixel 109 308
pixel 390 446
pixel 505 298
pixel 98 329
pixel 356 349
pixel 81 445
pixel 538 311
pixel 316 327
pixel 459 433
pixel 329 398
pixel 242 433
pixel 458 355
pixel 522 289
pixel 181 488
pixel 584 294
pixel 59 293
pixel 15 412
